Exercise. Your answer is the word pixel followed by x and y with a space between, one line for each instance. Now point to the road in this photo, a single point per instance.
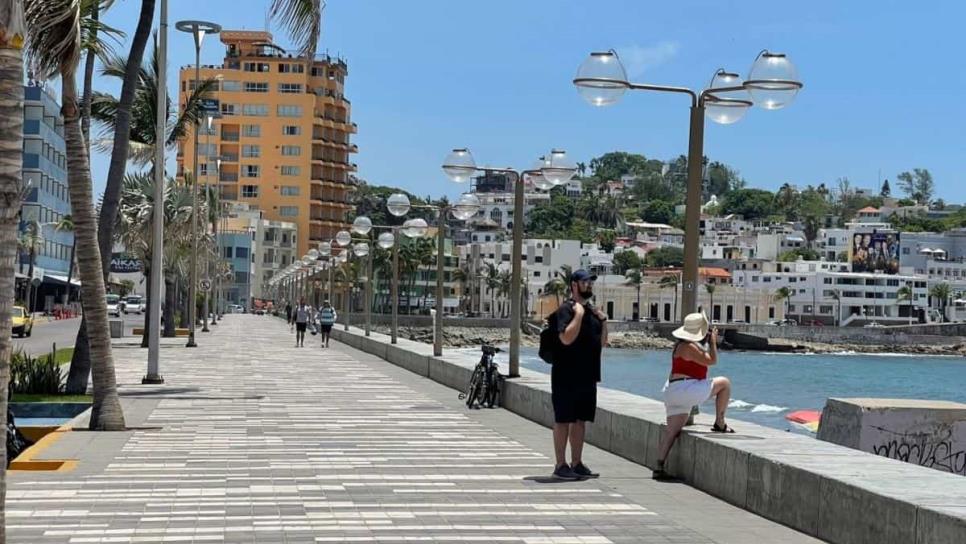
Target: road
pixel 63 332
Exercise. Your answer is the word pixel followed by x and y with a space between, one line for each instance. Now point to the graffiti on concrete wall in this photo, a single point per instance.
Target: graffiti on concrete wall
pixel 935 450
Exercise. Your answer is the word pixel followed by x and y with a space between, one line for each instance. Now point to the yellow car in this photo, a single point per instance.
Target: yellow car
pixel 23 322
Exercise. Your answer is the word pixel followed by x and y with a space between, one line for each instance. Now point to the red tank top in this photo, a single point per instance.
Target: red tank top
pixel 680 365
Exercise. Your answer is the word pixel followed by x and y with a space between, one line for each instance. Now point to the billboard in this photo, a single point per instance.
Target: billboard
pixel 875 252
pixel 124 264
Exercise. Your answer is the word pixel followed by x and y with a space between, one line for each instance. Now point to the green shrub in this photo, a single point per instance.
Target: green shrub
pixel 34 375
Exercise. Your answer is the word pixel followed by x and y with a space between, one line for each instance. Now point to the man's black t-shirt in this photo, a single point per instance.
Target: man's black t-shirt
pixel 578 363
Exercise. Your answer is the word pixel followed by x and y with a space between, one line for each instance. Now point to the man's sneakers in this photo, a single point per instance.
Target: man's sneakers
pixel 584 471
pixel 578 472
pixel 564 472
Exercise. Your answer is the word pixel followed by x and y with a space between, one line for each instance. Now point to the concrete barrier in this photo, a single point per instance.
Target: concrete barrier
pixel 829 491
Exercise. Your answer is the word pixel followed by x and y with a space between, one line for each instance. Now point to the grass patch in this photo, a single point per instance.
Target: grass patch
pixel 62 357
pixel 27 397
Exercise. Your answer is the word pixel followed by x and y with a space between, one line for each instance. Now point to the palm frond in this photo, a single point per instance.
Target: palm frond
pixel 302 19
pixel 193 110
pixel 53 36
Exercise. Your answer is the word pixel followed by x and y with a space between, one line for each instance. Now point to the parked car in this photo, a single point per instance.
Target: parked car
pixel 873 325
pixel 114 305
pixel 650 319
pixel 134 305
pixel 23 322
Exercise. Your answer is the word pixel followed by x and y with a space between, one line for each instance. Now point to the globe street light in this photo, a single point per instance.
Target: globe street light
pixel 772 84
pixel 198 30
pixel 342 239
pixel 549 171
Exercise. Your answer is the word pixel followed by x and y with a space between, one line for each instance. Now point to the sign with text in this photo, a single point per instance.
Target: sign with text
pixel 122 263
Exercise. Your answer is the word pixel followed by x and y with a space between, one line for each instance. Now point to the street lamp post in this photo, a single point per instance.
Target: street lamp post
pixel 198 30
pixel 204 295
pixel 153 375
pixel 549 171
pixel 772 83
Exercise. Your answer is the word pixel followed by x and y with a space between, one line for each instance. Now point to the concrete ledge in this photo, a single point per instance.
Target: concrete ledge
pixel 832 492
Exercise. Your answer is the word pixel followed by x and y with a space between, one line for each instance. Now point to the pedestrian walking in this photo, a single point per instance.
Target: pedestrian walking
pixel 326 318
pixel 688 384
pixel 288 314
pixel 575 374
pixel 301 317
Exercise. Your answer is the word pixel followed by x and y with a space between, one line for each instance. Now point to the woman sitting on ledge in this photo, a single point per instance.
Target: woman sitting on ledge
pixel 688 384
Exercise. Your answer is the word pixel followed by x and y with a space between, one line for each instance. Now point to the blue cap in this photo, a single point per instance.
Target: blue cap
pixel 582 275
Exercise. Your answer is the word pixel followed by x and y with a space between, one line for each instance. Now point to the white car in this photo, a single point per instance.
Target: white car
pixel 134 305
pixel 113 305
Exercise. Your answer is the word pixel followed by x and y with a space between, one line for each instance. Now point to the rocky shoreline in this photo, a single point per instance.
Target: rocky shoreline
pixel 459 337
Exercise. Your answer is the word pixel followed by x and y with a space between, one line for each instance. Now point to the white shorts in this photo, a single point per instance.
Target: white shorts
pixel 681 395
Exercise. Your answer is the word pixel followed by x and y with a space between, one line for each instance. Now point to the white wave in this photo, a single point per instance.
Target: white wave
pixel 768 408
pixel 738 404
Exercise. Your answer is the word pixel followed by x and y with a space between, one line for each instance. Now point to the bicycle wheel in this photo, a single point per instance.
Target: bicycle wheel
pixel 474 389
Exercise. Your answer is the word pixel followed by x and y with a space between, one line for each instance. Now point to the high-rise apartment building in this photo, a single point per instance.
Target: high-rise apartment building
pixel 282 131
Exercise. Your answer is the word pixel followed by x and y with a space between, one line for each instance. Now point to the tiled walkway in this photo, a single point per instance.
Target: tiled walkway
pixel 254 440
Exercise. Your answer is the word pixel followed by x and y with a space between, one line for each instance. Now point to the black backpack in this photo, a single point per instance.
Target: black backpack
pixel 549 340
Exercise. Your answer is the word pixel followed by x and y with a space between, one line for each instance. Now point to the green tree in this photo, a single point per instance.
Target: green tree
pixel 556 287
pixel 710 289
pixel 905 294
pixel 30 242
pixel 55 48
pixel 613 165
pixel 657 211
pixel 606 239
pixel 811 226
pixel 941 292
pixel 918 185
pixel 783 294
pixel 804 253
pixel 665 256
pixel 635 279
pixel 671 281
pixel 751 204
pixel 886 191
pixel 626 260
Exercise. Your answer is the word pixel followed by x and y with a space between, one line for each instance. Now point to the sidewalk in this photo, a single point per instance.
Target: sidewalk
pixel 254 440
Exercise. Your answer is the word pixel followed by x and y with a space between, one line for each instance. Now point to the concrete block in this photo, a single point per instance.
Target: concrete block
pixel 849 514
pixel 655 433
pixel 599 432
pixel 720 469
pixel 941 525
pixel 628 436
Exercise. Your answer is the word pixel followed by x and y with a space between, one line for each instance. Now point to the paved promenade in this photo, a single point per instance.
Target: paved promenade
pixel 254 440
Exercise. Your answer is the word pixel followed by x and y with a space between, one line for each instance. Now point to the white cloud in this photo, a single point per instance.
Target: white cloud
pixel 639 59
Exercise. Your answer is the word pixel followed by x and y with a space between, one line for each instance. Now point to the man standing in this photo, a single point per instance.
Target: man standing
pixel 327 317
pixel 288 313
pixel 575 374
pixel 302 312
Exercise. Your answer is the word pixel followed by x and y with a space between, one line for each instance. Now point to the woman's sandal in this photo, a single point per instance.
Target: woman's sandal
pixel 725 429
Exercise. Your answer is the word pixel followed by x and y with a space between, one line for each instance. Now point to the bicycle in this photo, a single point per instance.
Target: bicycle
pixel 484 384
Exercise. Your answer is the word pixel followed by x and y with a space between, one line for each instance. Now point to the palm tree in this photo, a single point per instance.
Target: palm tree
pixel 838 316
pixel 671 281
pixel 96 47
pixel 783 294
pixel 811 229
pixel 905 294
pixel 66 224
pixel 492 284
pixel 12 33
pixel 505 284
pixel 636 279
pixel 54 46
pixel 710 288
pixel 463 277
pixel 30 242
pixel 303 19
pixel 565 272
pixel 555 287
pixel 943 292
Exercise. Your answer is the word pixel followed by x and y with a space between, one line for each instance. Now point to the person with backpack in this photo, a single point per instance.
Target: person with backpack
pixel 301 317
pixel 326 318
pixel 582 333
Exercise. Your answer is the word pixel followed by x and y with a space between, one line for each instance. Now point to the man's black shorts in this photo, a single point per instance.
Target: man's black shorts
pixel 326 328
pixel 300 327
pixel 574 402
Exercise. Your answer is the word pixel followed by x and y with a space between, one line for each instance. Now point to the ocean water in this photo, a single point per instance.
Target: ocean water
pixel 767 386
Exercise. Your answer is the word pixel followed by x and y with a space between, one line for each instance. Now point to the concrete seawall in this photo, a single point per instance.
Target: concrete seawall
pixel 829 491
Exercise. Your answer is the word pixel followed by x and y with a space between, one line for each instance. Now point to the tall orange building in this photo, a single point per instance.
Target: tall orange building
pixel 282 133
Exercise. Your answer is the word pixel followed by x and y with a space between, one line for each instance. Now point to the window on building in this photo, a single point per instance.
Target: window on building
pixel 229 109
pixel 290 88
pixel 256 87
pixel 230 86
pixel 289 190
pixel 295 68
pixel 251 151
pixel 288 211
pixel 289 111
pixel 825 309
pixel 257 110
pixel 290 170
pixel 228 252
pixel 291 130
pixel 249 191
pixel 241 252
pixel 250 171
pixel 241 277
pixel 291 151
pixel 255 67
pixel 252 131
pixel 771 312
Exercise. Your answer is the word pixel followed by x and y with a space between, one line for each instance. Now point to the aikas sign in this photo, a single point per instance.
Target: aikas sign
pixel 124 264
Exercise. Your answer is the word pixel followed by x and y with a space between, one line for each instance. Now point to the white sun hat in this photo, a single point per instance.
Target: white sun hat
pixel 694 329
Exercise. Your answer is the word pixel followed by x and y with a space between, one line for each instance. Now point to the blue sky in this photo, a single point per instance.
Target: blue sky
pixel 883 83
